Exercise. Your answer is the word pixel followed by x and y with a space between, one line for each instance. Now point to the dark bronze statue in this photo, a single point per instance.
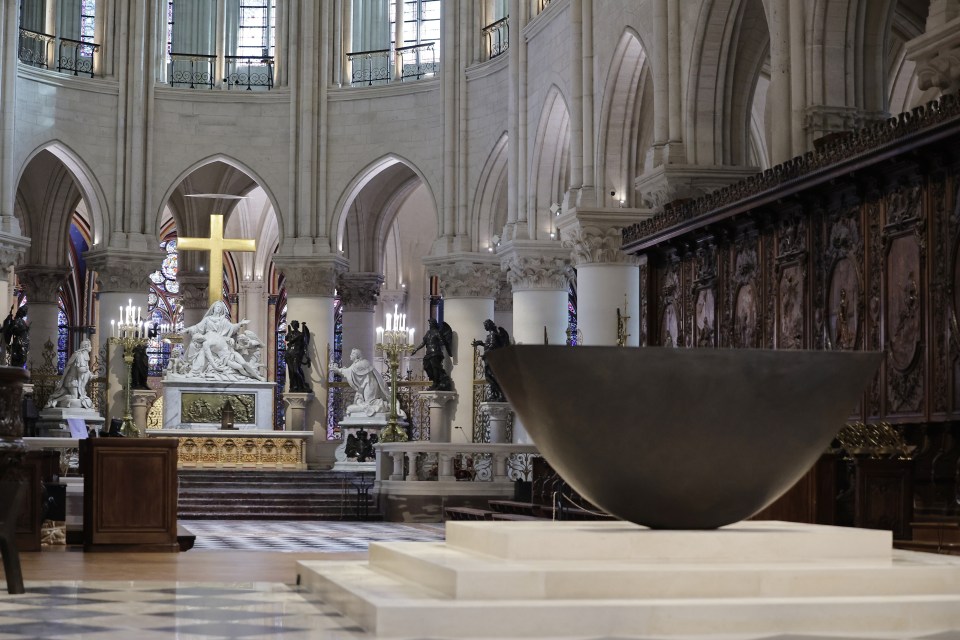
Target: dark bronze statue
pixel 16 336
pixel 496 337
pixel 437 340
pixel 297 342
pixel 360 446
pixel 140 368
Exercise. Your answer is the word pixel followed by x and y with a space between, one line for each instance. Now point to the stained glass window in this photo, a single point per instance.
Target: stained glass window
pixel 63 335
pixel 572 316
pixel 163 306
pixel 255 32
pixel 88 11
pixel 281 375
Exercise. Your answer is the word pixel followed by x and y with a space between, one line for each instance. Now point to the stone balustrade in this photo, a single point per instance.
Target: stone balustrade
pixel 452 462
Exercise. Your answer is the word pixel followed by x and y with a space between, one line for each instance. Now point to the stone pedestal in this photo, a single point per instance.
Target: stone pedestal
pixel 53 421
pixel 184 403
pixel 296 410
pixel 499 413
pixel 440 403
pixel 140 401
pixel 373 425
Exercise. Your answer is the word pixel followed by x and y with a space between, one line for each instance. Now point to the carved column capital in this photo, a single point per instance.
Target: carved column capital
pixel 311 277
pixel 466 277
pixel 596 245
pixel 526 273
pixel 12 250
pixel 123 271
pixel 41 282
pixel 359 291
pixel 503 303
pixel 193 289
pixel 666 183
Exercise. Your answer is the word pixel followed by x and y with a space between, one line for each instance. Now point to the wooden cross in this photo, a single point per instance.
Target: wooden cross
pixel 216 244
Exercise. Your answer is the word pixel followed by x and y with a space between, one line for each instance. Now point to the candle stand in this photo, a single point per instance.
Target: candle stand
pixel 129 343
pixel 392 348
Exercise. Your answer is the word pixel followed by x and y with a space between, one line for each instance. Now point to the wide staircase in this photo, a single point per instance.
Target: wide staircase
pixel 221 494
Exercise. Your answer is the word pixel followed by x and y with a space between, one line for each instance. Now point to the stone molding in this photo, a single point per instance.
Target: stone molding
pixel 41 282
pixel 667 183
pixel 359 291
pixel 305 277
pixel 503 303
pixel 123 271
pixel 529 273
pixel 937 56
pixel 12 250
pixel 466 278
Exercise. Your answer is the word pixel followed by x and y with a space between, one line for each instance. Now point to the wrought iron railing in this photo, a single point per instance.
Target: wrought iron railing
pixel 76 56
pixel 33 47
pixel 369 67
pixel 417 61
pixel 498 37
pixel 248 72
pixel 192 70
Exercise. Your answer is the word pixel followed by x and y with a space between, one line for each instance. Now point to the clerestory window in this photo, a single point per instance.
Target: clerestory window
pixel 59 35
pixel 393 40
pixel 228 44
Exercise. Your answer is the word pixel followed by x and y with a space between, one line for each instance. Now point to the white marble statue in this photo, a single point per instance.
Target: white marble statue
pixel 373 396
pixel 71 390
pixel 217 349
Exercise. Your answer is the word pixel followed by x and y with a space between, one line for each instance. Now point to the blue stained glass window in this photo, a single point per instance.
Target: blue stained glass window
pixel 281 376
pixel 88 12
pixel 63 336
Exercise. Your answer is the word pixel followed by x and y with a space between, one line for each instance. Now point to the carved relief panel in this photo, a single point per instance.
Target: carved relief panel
pixel 844 255
pixel 670 307
pixel 903 312
pixel 705 307
pixel 746 328
pixel 790 274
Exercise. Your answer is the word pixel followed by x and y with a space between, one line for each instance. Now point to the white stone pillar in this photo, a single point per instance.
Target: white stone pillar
pixel 123 279
pixel 468 286
pixel 310 290
pixel 607 279
pixel 358 295
pixel 440 403
pixel 41 284
pixel 540 279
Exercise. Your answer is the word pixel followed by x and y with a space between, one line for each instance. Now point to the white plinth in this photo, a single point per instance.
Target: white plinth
pixel 372 425
pixel 53 421
pixel 174 389
pixel 540 579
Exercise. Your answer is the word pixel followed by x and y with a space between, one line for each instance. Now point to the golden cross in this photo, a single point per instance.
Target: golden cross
pixel 216 244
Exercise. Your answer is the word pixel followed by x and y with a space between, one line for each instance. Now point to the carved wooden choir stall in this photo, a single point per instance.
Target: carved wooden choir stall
pixel 855 245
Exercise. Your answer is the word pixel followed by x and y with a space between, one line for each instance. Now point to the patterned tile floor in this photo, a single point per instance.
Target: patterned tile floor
pixel 252 535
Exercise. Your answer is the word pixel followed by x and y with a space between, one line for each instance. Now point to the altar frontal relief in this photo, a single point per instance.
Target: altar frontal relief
pixel 207 407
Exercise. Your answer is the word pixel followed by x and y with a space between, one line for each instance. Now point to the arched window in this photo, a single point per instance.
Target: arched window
pixel 163 306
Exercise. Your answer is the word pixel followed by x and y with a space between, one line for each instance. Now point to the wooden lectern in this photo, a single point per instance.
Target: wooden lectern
pixel 129 494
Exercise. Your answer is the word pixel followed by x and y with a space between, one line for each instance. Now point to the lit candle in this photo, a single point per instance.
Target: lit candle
pixel 389 326
pixel 396 317
pixel 403 322
pixel 411 336
pixel 380 334
pixel 113 329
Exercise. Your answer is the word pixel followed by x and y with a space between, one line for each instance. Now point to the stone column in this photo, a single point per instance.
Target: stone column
pixel 358 295
pixel 539 277
pixel 41 284
pixel 296 410
pixel 468 285
pixel 140 401
pixel 607 278
pixel 123 278
pixel 193 295
pixel 503 306
pixel 310 287
pixel 253 306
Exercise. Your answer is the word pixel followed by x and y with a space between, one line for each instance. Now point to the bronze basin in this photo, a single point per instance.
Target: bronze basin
pixel 681 438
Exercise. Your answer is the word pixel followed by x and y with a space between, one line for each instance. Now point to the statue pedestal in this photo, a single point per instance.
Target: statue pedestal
pixel 499 413
pixel 195 404
pixel 52 422
pixel 296 410
pixel 440 418
pixel 373 425
pixel 140 401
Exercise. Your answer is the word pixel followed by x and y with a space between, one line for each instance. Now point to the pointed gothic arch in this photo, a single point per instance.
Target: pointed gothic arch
pixel 549 164
pixel 731 45
pixel 489 213
pixel 626 118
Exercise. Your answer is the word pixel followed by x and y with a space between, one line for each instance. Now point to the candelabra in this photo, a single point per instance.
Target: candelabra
pixel 129 343
pixel 394 343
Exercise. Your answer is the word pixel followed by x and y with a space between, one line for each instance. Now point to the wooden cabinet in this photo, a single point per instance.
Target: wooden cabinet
pixel 129 494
